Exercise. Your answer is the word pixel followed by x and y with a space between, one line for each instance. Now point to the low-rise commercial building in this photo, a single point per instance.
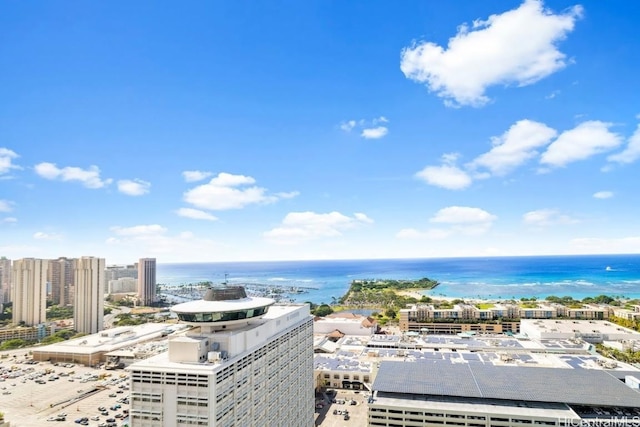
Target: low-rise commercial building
pixel 438 393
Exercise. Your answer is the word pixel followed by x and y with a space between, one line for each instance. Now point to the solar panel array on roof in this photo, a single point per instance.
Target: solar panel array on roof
pixel 443 378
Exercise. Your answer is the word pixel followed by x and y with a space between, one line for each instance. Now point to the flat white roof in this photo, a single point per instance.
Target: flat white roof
pixel 95 343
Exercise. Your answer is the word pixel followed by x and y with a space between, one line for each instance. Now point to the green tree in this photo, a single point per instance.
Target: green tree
pixel 323 310
pixel 390 313
pixel 12 344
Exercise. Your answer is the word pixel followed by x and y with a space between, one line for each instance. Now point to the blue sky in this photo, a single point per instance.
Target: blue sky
pixel 233 131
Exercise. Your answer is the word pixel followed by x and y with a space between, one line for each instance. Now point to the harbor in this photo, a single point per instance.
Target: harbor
pixel 195 291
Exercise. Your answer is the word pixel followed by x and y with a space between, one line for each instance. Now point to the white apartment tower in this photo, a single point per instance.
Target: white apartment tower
pixel 246 362
pixel 29 293
pixel 88 313
pixel 5 281
pixel 147 281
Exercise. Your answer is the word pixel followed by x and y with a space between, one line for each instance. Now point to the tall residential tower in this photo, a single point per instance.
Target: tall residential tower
pixel 147 281
pixel 61 280
pixel 88 313
pixel 29 293
pixel 246 362
pixel 5 281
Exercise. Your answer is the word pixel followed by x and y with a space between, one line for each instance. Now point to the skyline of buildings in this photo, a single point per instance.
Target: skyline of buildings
pixel 30 283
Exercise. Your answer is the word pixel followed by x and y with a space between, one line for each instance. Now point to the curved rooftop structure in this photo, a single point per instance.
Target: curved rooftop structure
pixel 222 306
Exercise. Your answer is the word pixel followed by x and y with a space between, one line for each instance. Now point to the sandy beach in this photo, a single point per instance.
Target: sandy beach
pixel 419 293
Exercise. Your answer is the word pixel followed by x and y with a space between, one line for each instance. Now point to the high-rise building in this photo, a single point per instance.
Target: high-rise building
pixel 29 293
pixel 61 281
pixel 147 281
pixel 115 272
pixel 246 362
pixel 88 313
pixel 5 281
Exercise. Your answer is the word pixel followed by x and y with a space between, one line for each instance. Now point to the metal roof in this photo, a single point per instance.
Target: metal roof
pixel 481 380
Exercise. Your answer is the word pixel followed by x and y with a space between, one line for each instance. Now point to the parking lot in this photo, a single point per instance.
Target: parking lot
pixel 355 406
pixel 37 394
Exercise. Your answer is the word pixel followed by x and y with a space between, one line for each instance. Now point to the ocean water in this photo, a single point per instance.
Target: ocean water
pixel 495 277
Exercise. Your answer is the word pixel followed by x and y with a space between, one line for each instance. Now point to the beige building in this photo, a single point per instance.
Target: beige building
pixel 147 281
pixel 5 281
pixel 29 283
pixel 89 300
pixel 497 319
pixel 61 280
pixel 122 285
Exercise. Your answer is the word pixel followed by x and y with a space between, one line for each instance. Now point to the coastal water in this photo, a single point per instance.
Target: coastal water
pixel 495 277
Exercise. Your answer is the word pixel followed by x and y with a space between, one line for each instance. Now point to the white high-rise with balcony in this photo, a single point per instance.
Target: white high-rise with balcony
pixel 147 281
pixel 88 313
pixel 246 362
pixel 29 283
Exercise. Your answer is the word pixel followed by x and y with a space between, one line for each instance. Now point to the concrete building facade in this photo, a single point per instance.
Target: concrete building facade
pixel 246 362
pixel 88 314
pixel 5 281
pixel 122 285
pixel 61 281
pixel 407 394
pixel 147 281
pixel 29 291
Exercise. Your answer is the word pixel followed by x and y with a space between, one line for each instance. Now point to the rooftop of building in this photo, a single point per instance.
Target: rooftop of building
pixel 223 299
pixel 569 326
pixel 109 339
pixel 501 351
pixel 487 381
pixel 161 362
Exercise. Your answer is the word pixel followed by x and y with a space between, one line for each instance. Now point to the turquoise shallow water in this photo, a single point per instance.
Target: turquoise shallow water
pixel 496 277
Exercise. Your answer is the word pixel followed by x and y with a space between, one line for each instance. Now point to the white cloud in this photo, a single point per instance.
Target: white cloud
pixel 304 226
pixel 6 206
pixel 585 140
pixel 6 160
pixel 374 133
pixel 369 129
pixel 447 175
pixel 430 234
pixel 456 220
pixel 9 220
pixel 139 230
pixel 515 146
pixel 462 215
pixel 348 125
pixel 40 235
pixel 287 195
pixel 516 47
pixel 222 193
pixel 603 195
pixel 90 178
pixel 547 217
pixel 193 176
pixel 591 245
pixel 631 153
pixel 135 187
pixel 156 241
pixel 196 214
